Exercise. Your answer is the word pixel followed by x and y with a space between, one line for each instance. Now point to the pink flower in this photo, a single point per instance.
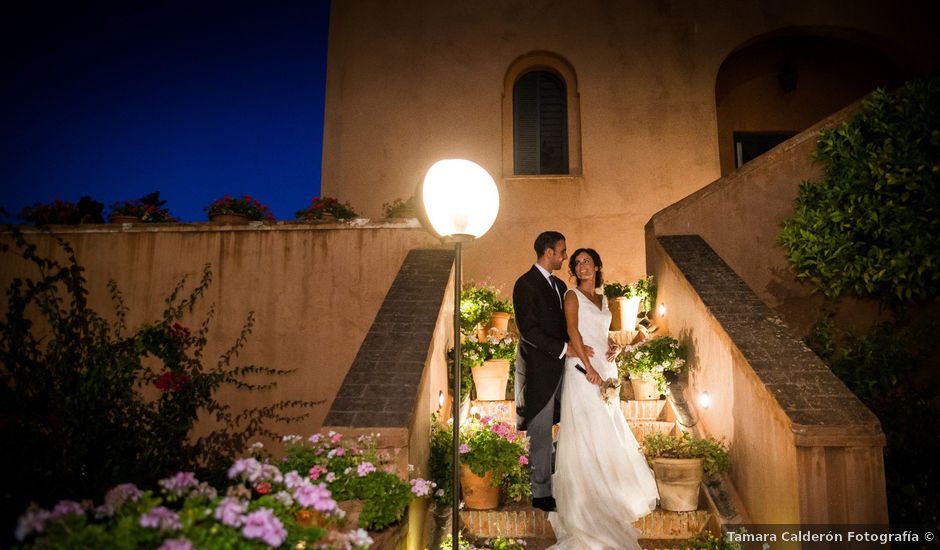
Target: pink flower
pixel 316 471
pixel 177 544
pixel 231 512
pixel 263 488
pixel 336 438
pixel 365 469
pixel 263 525
pixel 421 487
pixel 313 496
pixel 523 459
pixel 464 448
pixel 161 518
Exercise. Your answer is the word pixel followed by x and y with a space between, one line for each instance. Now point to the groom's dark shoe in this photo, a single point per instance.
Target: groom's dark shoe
pixel 544 503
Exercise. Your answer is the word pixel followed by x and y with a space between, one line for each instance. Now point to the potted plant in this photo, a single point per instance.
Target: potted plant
pixel 476 307
pixel 60 212
pixel 147 209
pixel 499 318
pixel 490 360
pixel 493 459
pixel 678 461
pixel 647 363
pixel 326 209
pixel 400 208
pixel 625 301
pixel 234 211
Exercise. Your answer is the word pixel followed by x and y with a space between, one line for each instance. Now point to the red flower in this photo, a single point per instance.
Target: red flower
pixel 171 381
pixel 263 488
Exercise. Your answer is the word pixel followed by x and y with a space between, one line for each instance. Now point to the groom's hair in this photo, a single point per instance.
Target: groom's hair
pixel 546 240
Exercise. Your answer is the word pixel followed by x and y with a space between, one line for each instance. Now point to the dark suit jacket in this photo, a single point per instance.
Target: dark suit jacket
pixel 541 323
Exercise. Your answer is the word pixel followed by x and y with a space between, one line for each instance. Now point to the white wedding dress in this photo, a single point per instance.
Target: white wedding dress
pixel 602 483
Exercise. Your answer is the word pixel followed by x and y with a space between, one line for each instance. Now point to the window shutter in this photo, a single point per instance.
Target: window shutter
pixel 525 113
pixel 540 124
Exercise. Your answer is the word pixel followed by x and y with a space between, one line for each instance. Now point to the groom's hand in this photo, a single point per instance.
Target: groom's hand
pixel 588 350
pixel 612 350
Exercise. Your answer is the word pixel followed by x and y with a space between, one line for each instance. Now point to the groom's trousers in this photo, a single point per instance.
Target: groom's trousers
pixel 541 447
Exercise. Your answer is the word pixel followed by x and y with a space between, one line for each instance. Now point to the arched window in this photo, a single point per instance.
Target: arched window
pixel 540 124
pixel 541 120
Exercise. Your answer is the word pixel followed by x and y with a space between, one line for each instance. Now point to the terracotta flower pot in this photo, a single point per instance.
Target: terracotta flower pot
pixel 491 379
pixel 478 494
pixel 123 218
pixel 644 389
pixel 229 219
pixel 353 509
pixel 678 480
pixel 623 313
pixel 500 320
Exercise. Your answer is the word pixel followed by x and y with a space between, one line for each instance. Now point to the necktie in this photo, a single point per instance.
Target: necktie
pixel 551 281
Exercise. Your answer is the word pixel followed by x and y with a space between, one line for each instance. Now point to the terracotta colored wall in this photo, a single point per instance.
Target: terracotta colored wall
pixel 409 84
pixel 314 290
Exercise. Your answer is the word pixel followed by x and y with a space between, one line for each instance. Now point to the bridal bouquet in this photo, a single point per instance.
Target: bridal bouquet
pixel 610 389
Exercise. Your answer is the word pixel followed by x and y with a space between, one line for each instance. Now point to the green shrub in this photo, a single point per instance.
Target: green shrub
pixel 713 453
pixel 86 404
pixel 871 227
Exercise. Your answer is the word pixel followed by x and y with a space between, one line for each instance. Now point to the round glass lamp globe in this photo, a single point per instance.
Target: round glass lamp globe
pixel 460 198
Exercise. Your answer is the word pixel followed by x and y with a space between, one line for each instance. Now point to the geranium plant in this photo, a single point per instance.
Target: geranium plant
pixel 326 205
pixel 651 359
pixel 485 446
pixel 400 207
pixel 87 210
pixel 148 209
pixel 246 205
pixel 265 504
pixel 352 469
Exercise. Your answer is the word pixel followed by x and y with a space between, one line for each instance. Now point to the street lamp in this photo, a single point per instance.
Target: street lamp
pixel 461 202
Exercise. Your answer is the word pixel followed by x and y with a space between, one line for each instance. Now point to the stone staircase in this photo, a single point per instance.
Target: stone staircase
pixel 660 530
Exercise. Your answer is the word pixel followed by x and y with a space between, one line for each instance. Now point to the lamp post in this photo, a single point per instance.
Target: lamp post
pixel 461 202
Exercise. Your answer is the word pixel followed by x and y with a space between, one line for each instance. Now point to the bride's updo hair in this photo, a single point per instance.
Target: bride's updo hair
pixel 598 275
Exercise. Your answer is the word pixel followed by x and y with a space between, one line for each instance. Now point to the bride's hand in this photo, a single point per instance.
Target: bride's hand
pixel 593 377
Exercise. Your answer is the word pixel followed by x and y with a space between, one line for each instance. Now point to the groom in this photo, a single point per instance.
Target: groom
pixel 537 298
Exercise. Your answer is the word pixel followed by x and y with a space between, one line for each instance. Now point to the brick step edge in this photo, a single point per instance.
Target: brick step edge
pixel 527 522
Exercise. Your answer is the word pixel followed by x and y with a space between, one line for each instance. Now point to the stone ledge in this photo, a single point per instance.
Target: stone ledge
pixel 189 227
pixel 381 386
pixel 820 409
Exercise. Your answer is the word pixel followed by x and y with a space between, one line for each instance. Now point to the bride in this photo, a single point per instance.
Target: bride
pixel 602 483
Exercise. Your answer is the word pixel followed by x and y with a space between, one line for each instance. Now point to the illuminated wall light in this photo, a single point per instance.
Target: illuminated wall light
pixel 662 310
pixel 704 400
pixel 474 411
pixel 440 400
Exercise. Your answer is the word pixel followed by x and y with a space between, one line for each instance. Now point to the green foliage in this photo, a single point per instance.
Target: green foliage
pixel 713 453
pixel 246 205
pixel 643 288
pixel 652 359
pixel 503 306
pixel 475 352
pixel 148 209
pixel 86 404
pixel 486 446
pixel 326 205
pixel 355 475
pixel 62 212
pixel 871 226
pixel 399 208
pixel 496 543
pixel 708 541
pixel 476 305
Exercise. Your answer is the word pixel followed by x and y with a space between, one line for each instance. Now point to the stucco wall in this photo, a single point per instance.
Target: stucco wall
pixel 314 290
pixel 411 83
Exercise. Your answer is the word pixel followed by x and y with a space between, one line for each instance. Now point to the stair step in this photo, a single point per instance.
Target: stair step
pixel 530 523
pixel 644 410
pixel 642 428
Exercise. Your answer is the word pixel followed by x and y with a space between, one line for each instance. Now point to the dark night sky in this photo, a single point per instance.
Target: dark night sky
pixel 193 99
